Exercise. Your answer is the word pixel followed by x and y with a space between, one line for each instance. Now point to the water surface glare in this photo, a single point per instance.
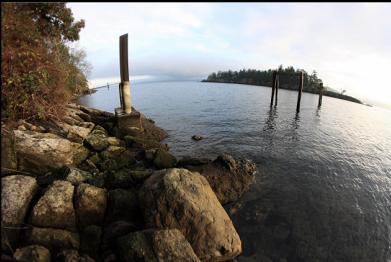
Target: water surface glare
pixel 323 187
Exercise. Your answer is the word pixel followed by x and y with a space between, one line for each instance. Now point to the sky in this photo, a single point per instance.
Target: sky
pixel 348 44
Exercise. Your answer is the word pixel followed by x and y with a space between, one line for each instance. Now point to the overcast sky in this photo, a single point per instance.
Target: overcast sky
pixel 349 44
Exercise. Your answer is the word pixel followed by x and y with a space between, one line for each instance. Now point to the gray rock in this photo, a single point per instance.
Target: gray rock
pixel 142 143
pixel 90 204
pixel 77 176
pixel 75 132
pixel 54 239
pixel 97 139
pixel 229 178
pixel 33 253
pixel 155 245
pixel 55 207
pixel 17 192
pixel 40 153
pixel 184 200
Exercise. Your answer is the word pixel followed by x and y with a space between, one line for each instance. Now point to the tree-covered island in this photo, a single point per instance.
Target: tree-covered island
pixel 288 80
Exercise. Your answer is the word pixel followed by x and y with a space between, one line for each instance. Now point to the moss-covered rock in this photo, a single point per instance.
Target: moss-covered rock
pixel 163 159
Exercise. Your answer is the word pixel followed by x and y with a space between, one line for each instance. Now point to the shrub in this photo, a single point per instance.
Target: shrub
pixel 40 74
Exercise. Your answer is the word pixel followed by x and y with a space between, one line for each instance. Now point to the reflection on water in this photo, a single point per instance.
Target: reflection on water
pixel 323 187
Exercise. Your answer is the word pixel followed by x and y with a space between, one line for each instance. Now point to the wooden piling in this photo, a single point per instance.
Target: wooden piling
pixel 320 94
pixel 300 91
pixel 124 70
pixel 277 86
pixel 273 86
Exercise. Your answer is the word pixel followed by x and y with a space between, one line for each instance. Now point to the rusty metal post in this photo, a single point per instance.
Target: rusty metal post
pixel 300 91
pixel 124 70
pixel 320 94
pixel 273 86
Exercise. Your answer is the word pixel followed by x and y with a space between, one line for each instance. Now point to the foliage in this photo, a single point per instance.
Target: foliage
pixel 40 73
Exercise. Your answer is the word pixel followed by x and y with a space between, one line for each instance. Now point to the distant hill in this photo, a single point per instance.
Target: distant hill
pixel 288 80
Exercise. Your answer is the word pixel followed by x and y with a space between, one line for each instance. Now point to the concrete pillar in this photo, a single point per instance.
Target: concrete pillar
pixel 126 97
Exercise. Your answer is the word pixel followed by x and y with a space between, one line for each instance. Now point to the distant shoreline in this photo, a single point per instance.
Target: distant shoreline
pixel 325 92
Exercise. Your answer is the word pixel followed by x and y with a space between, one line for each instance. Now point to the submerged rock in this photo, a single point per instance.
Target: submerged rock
pixel 33 253
pixel 228 177
pixel 40 153
pixel 55 208
pixel 197 138
pixel 184 200
pixel 17 191
pixel 155 245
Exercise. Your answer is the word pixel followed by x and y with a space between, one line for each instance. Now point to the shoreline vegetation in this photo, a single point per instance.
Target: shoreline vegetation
pixel 288 80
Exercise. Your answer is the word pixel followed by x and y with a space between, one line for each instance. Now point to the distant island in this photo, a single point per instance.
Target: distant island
pixel 288 80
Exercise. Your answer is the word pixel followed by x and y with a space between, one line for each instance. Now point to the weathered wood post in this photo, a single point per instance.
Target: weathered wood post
pixel 320 94
pixel 128 122
pixel 124 69
pixel 273 86
pixel 300 91
pixel 277 86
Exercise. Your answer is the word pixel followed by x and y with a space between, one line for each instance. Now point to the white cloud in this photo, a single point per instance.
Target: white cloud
pixel 349 45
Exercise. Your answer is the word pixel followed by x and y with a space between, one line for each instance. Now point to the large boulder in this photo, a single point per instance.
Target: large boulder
pixel 184 200
pixel 90 204
pixel 229 178
pixel 33 253
pixel 43 152
pixel 55 208
pixel 155 245
pixel 54 239
pixel 17 192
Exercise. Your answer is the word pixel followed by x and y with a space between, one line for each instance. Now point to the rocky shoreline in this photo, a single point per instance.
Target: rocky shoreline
pixel 80 190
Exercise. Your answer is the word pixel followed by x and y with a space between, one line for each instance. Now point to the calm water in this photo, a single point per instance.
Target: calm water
pixel 323 190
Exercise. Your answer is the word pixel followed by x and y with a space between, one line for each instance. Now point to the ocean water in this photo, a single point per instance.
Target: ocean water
pixel 323 186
